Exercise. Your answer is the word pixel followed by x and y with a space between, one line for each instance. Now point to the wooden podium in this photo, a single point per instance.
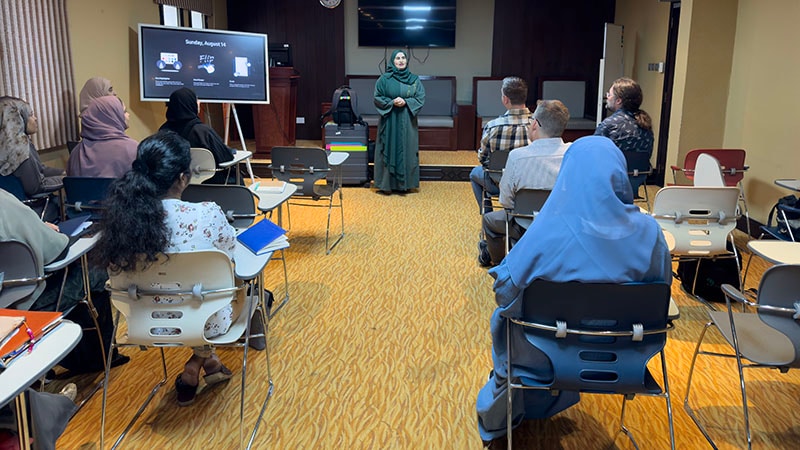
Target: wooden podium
pixel 274 123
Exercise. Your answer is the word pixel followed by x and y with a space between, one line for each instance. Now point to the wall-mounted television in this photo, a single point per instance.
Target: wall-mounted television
pixel 407 23
pixel 220 66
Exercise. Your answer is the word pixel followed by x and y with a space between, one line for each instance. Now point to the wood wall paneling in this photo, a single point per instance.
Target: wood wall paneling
pixel 316 36
pixel 543 38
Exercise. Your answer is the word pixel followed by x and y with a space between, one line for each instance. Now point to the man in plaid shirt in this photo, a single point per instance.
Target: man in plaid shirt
pixel 502 134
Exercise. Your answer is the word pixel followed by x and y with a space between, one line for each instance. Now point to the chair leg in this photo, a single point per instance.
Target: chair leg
pixel 741 378
pixel 285 300
pixel 152 394
pixel 261 309
pixel 328 229
pixel 509 403
pixel 622 426
pixel 694 285
pixel 743 201
pixel 668 398
pixel 686 406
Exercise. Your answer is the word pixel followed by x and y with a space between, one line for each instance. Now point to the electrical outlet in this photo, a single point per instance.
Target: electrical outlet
pixel 301 120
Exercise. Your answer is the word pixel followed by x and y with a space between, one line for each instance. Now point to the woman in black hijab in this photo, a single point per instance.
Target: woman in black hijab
pixel 182 118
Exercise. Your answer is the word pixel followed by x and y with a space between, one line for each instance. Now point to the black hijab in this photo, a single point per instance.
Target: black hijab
pixel 181 112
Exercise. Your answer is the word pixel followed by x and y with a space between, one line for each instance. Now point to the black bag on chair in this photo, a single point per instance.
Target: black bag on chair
pixel 712 275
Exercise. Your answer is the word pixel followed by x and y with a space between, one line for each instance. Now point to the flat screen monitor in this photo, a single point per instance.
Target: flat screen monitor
pixel 280 55
pixel 220 66
pixel 407 23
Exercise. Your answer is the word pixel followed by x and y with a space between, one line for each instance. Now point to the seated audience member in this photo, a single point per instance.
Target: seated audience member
pixel 94 87
pixel 502 134
pixel 104 150
pixel 534 166
pixel 182 118
pixel 49 415
pixel 629 127
pixel 588 231
pixel 18 155
pixel 146 217
pixel 20 223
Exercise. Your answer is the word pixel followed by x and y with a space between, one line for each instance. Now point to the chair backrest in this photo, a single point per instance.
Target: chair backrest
pixel 780 286
pixel 696 220
pixel 22 275
pixel 571 92
pixel 731 160
pixel 707 171
pixel 486 96
pixel 302 166
pixel 586 363
pixel 528 203
pixel 13 186
pixel 85 194
pixel 169 302
pixel 237 202
pixel 497 162
pixel 203 165
pixel 638 162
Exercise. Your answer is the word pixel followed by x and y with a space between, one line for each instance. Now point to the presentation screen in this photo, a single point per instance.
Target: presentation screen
pixel 220 66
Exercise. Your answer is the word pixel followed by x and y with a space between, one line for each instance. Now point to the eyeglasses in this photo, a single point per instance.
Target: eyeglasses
pixel 533 119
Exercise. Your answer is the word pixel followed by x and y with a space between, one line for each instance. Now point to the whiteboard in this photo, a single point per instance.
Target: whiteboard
pixel 611 66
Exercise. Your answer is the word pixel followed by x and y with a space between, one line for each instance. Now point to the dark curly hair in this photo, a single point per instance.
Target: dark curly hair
pixel 133 225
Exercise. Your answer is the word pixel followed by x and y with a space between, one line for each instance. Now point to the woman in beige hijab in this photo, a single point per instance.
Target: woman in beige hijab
pixel 93 88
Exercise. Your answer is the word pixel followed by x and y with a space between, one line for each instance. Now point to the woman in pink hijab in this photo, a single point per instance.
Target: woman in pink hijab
pixel 95 87
pixel 105 150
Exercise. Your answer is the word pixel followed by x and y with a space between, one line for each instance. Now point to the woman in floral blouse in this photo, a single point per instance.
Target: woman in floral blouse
pixel 146 217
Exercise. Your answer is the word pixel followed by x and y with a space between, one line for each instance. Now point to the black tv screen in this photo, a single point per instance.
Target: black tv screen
pixel 407 23
pixel 220 66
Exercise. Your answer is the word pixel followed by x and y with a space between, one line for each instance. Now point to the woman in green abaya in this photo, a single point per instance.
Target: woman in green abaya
pixel 399 96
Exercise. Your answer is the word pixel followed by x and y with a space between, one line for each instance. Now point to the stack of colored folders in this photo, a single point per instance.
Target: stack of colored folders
pixel 20 330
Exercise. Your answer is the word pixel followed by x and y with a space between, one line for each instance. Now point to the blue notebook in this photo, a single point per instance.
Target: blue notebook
pixel 260 235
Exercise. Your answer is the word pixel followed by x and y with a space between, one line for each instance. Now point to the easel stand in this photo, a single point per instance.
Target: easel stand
pixel 226 110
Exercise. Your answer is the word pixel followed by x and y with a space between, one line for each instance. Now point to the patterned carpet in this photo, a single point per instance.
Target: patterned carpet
pixel 385 344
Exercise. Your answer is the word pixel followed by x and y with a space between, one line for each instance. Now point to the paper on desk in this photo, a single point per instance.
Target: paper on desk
pixel 268 187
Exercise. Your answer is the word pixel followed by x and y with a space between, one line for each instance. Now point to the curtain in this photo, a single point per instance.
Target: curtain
pixel 36 65
pixel 204 6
